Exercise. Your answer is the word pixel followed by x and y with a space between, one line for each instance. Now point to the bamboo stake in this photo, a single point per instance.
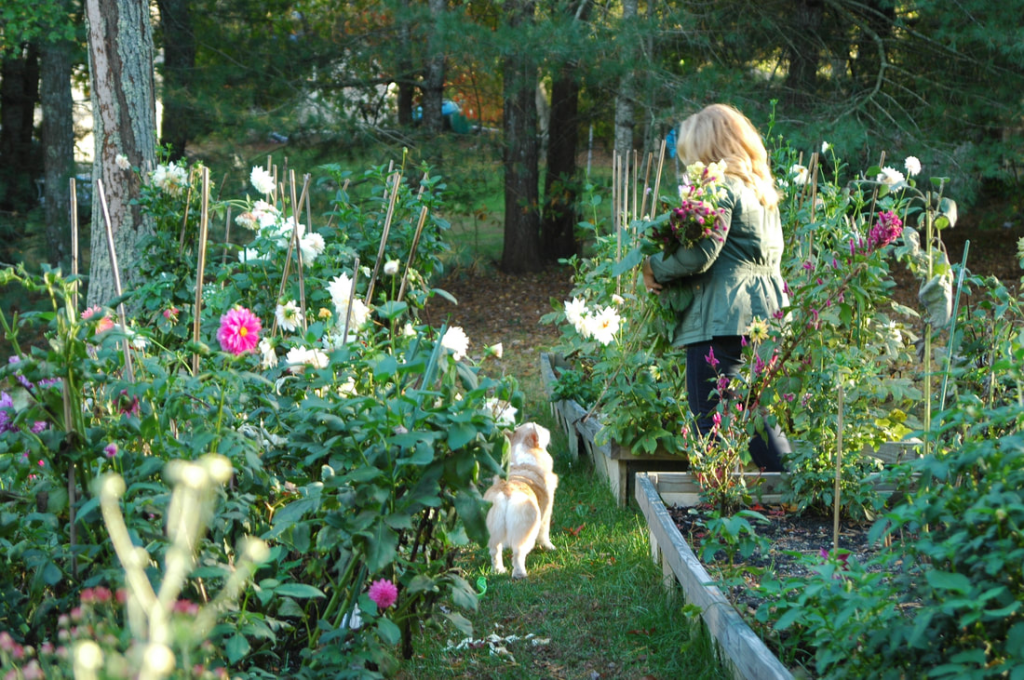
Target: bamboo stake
pixel 397 178
pixel 636 183
pixel 129 369
pixel 197 312
pixel 647 177
pixel 412 251
pixel 657 181
pixel 351 299
pixel 296 208
pixel 188 201
pixel 291 248
pixel 839 467
pixel 74 243
pixel 874 192
pixel 812 179
pixel 227 238
pixel 623 199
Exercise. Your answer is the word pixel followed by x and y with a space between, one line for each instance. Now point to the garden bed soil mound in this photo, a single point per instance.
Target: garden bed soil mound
pixel 798 542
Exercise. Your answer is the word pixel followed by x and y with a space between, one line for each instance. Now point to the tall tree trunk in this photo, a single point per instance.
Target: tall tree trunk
pixel 433 82
pixel 522 222
pixel 121 70
pixel 19 92
pixel 625 98
pixel 804 51
pixel 179 43
pixel 561 184
pixel 58 147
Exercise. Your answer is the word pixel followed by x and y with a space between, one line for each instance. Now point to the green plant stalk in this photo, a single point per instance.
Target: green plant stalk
pixel 928 338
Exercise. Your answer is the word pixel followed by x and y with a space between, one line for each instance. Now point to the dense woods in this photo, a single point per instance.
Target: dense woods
pixel 935 78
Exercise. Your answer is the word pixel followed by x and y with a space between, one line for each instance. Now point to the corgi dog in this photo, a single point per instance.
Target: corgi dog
pixel 520 514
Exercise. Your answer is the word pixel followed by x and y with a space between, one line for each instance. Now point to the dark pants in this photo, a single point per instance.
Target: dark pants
pixel 766 449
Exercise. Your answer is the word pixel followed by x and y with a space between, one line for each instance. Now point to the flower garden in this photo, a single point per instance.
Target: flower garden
pixel 844 370
pixel 260 462
pixel 258 459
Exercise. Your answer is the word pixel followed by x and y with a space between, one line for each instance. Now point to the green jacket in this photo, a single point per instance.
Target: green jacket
pixel 733 281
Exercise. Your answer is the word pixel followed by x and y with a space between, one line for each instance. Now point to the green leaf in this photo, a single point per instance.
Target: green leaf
pixel 301 591
pixel 632 259
pixel 944 580
pixel 380 550
pixel 471 508
pixel 385 368
pixel 461 434
pixel 460 622
pixel 391 309
pixel 389 632
pixel 237 648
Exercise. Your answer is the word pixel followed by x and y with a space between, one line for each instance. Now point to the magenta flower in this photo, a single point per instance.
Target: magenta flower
pixel 239 331
pixel 710 358
pixel 384 593
pixel 887 229
pixel 110 450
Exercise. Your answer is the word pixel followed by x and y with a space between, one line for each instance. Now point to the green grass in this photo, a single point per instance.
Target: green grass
pixel 596 607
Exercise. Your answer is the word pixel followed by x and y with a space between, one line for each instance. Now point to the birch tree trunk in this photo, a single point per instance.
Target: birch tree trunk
pixel 625 99
pixel 124 113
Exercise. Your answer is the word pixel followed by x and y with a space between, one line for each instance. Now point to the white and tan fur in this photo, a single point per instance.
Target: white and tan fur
pixel 520 514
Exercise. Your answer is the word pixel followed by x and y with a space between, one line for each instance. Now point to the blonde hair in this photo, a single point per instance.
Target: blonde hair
pixel 721 133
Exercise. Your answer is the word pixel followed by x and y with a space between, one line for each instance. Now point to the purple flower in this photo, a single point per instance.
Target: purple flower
pixel 887 229
pixel 110 450
pixel 39 426
pixel 384 593
pixel 710 358
pixel 6 408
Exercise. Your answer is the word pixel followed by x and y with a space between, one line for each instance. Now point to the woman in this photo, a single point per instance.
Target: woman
pixel 734 279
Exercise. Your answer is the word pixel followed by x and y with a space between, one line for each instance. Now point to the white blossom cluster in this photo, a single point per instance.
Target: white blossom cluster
pixel 601 324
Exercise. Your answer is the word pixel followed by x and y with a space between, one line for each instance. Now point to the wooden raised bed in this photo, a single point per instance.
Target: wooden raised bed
pixel 740 648
pixel 614 463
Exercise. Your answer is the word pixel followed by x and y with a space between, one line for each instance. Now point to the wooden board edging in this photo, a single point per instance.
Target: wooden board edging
pixel 745 652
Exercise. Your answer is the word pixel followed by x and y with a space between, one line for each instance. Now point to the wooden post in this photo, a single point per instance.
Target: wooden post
pixel 197 311
pixel 839 474
pixel 129 370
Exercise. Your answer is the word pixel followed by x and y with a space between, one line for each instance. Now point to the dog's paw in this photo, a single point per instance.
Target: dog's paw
pixel 518 574
pixel 499 570
pixel 548 545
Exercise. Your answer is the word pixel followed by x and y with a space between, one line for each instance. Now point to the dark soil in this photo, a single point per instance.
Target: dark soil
pixel 797 543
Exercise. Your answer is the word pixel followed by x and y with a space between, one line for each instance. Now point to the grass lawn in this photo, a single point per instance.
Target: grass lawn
pixel 594 608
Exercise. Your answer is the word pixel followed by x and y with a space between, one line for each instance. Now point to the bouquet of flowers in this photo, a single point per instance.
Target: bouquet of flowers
pixel 698 216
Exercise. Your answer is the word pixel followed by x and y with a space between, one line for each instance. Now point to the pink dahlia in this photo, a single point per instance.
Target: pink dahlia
pixel 384 593
pixel 239 331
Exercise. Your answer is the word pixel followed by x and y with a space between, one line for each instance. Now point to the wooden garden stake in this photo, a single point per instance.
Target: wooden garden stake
pixel 647 177
pixel 874 193
pixel 657 181
pixel 65 388
pixel 74 243
pixel 812 179
pixel 296 208
pixel 129 370
pixel 396 180
pixel 351 299
pixel 227 239
pixel 197 312
pixel 839 475
pixel 412 251
pixel 292 245
pixel 188 201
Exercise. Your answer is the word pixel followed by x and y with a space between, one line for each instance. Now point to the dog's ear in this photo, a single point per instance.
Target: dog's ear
pixel 541 437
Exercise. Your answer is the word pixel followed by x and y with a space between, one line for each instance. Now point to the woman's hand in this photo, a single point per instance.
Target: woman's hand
pixel 652 285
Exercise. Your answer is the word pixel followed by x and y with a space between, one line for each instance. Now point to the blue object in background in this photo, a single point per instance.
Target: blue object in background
pixel 670 142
